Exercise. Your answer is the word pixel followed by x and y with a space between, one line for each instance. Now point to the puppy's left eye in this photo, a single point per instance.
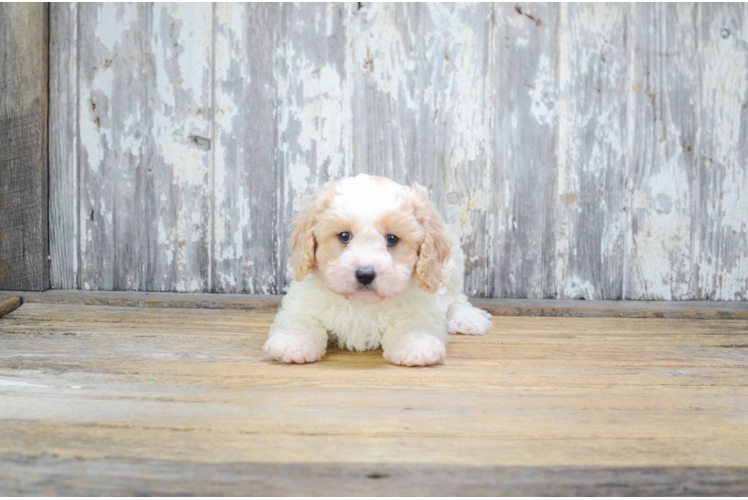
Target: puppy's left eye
pixel 392 240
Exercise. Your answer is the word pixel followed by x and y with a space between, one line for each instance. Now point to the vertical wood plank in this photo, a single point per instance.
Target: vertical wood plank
pixel 522 211
pixel 663 160
pixel 145 134
pixel 177 184
pixel 421 111
pixel 313 108
pixel 63 145
pixel 246 192
pixel 24 246
pixel 722 203
pixel 591 193
pixel 114 128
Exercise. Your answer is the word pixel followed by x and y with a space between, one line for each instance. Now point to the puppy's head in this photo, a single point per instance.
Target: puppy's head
pixel 368 237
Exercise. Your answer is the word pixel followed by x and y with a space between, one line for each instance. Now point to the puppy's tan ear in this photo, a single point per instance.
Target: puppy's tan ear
pixel 436 247
pixel 302 239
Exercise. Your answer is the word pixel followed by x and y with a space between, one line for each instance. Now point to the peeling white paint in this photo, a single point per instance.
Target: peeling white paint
pixel 420 93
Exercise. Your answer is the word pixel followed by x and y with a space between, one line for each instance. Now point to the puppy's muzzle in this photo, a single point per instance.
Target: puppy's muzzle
pixel 365 275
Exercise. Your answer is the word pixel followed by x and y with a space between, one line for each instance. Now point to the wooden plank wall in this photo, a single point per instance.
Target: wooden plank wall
pixel 24 249
pixel 595 151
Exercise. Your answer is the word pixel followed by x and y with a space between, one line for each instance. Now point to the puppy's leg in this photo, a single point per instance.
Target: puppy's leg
pixel 464 318
pixel 296 339
pixel 413 346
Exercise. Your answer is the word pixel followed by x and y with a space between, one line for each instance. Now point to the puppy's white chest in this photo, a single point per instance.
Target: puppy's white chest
pixel 357 330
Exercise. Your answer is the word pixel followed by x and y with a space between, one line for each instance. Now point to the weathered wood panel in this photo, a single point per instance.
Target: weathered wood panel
pixel 114 130
pixel 722 198
pixel 246 175
pixel 538 396
pixel 63 145
pixel 421 108
pixel 520 239
pixel 591 195
pixel 664 95
pixel 692 309
pixel 44 475
pixel 555 137
pixel 24 248
pixel 145 128
pixel 314 110
pixel 177 187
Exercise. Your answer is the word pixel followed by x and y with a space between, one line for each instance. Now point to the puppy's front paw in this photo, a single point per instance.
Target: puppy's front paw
pixel 292 349
pixel 416 349
pixel 469 320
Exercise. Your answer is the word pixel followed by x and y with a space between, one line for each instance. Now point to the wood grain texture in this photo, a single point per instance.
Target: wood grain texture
pixel 114 129
pixel 63 145
pixel 581 151
pixel 313 113
pixel 497 307
pixel 37 475
pixel 177 181
pixel 521 238
pixel 421 109
pixel 722 230
pixel 664 161
pixel 246 185
pixel 178 389
pixel 591 194
pixel 145 127
pixel 24 228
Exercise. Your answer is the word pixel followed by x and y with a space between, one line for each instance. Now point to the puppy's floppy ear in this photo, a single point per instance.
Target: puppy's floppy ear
pixel 302 239
pixel 436 247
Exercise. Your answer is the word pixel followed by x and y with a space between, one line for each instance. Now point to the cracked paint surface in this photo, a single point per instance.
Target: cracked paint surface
pixel 580 151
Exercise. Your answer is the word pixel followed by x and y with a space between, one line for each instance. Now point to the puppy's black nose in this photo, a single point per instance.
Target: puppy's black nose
pixel 365 275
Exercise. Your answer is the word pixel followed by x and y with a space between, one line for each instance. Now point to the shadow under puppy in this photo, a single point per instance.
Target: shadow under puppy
pixel 374 267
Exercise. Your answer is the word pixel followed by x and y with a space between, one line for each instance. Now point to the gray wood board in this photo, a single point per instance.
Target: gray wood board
pixel 31 475
pixel 63 145
pixel 24 248
pixel 591 151
pixel 498 307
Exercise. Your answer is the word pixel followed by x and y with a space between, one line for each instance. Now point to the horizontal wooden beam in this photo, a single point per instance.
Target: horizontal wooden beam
pixel 497 307
pixel 71 476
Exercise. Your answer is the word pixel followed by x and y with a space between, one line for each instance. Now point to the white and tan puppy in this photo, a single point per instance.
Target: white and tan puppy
pixel 374 267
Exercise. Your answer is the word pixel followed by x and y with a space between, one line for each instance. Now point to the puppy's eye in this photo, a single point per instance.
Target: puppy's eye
pixel 345 237
pixel 392 240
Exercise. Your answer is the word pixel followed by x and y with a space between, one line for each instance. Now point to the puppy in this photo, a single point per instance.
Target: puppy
pixel 373 267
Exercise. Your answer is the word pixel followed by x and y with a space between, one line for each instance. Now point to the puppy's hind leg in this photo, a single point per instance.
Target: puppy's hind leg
pixel 463 317
pixel 467 319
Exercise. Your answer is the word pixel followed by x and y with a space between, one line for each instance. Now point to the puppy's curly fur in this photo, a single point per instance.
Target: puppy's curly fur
pixel 393 234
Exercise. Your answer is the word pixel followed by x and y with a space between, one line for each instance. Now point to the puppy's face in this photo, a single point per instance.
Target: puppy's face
pixel 368 237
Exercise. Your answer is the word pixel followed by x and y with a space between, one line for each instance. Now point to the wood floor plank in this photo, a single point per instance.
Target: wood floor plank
pixel 647 401
pixel 498 307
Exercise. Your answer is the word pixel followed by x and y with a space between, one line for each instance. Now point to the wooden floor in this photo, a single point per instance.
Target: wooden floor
pixel 145 400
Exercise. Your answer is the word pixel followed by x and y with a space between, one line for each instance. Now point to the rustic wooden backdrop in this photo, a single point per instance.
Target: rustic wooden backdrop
pixel 595 151
pixel 24 247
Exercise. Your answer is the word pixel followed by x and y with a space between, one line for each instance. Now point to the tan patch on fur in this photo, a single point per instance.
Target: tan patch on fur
pixel 436 246
pixel 302 237
pixel 403 224
pixel 329 246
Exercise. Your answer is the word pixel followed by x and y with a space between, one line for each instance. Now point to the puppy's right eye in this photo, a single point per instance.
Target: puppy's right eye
pixel 345 237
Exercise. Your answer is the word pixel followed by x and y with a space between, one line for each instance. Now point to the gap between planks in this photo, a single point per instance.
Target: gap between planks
pixel 497 307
